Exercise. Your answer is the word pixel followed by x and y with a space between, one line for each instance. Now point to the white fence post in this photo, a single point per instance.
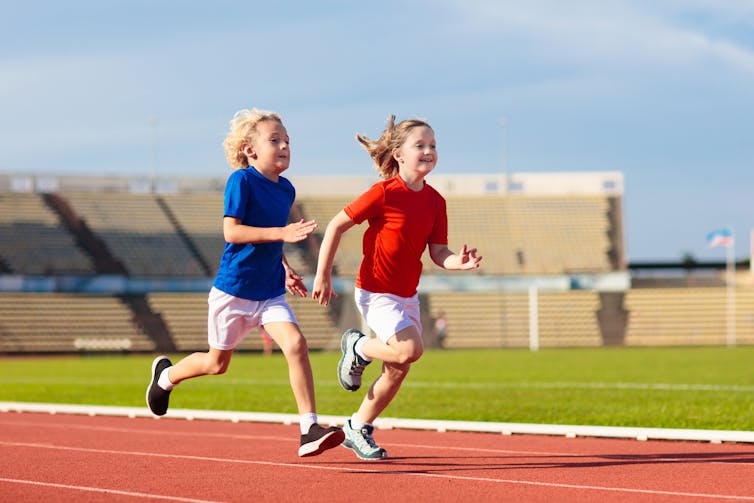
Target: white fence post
pixel 533 318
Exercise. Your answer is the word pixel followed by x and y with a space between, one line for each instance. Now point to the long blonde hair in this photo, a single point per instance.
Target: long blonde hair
pixel 243 131
pixel 381 149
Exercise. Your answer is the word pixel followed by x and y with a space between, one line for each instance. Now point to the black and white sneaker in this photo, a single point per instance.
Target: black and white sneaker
pixel 319 439
pixel 157 398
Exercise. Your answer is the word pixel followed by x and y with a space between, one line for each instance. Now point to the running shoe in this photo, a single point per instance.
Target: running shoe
pixel 351 365
pixel 157 398
pixel 319 439
pixel 362 443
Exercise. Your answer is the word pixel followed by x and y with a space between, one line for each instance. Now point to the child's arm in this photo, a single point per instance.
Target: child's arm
pixel 237 233
pixel 322 289
pixel 445 258
pixel 294 282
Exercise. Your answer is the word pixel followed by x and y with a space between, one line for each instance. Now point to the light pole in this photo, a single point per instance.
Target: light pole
pixel 154 122
pixel 504 152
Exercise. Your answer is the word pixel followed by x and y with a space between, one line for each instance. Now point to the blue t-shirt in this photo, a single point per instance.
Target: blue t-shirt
pixel 255 271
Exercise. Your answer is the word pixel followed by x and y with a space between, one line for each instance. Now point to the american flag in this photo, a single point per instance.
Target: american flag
pixel 720 237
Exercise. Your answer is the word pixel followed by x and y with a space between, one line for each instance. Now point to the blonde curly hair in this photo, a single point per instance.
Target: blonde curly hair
pixel 243 131
pixel 381 149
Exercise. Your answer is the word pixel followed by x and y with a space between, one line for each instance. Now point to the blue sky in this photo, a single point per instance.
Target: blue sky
pixel 661 90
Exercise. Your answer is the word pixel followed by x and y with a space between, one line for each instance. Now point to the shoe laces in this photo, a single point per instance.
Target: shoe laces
pixel 366 435
pixel 356 368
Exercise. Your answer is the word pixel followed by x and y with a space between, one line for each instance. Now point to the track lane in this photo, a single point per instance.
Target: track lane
pixel 223 461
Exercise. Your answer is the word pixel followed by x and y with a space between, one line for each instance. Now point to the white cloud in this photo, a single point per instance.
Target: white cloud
pixel 613 34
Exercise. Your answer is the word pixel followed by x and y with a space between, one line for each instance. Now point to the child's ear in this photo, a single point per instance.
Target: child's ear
pixel 249 151
pixel 396 153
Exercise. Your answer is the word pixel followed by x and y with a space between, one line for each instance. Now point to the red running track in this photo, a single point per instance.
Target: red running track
pixel 66 458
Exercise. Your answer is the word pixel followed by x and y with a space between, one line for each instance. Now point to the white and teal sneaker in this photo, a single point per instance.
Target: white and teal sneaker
pixel 362 443
pixel 351 365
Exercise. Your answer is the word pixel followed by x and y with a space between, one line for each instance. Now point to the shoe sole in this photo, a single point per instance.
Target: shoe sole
pixel 344 350
pixel 155 362
pixel 332 439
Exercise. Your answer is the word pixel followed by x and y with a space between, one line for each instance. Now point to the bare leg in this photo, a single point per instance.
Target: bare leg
pixel 382 391
pixel 214 361
pixel 404 347
pixel 400 351
pixel 292 343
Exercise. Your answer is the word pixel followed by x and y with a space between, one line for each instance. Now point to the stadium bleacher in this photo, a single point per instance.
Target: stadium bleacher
pixel 33 239
pixel 501 319
pixel 687 316
pixel 137 230
pixel 86 228
pixel 58 322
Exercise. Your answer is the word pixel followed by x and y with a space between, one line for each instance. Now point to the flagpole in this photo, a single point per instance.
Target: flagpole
pixel 751 252
pixel 724 237
pixel 731 270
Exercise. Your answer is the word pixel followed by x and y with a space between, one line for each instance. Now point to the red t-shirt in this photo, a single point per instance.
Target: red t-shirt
pixel 401 225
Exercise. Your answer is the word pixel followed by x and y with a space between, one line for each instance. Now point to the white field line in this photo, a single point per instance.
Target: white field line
pixel 235 436
pixel 422 473
pixel 102 490
pixel 288 439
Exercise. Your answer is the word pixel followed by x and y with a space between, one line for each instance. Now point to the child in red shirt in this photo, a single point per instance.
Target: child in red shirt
pixel 405 216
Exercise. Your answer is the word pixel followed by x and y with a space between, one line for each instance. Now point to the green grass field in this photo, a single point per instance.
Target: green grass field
pixel 700 388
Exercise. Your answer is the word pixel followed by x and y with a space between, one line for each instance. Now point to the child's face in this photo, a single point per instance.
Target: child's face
pixel 418 154
pixel 270 151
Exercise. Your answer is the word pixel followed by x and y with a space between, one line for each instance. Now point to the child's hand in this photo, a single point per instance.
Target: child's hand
pixel 294 283
pixel 469 258
pixel 298 231
pixel 322 291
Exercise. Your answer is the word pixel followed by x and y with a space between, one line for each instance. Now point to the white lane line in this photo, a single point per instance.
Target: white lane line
pixel 422 473
pixel 523 453
pixel 111 429
pixel 192 434
pixel 103 490
pixel 596 488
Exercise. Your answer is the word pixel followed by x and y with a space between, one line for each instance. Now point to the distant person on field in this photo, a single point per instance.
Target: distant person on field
pixel 249 289
pixel 266 345
pixel 405 216
pixel 440 329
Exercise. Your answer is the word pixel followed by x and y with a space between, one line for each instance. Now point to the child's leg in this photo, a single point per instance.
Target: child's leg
pixel 404 347
pixel 215 361
pixel 398 354
pixel 166 376
pixel 315 439
pixel 292 343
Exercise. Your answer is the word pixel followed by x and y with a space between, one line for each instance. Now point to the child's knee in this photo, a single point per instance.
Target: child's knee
pixel 217 368
pixel 417 353
pixel 296 346
pixel 409 354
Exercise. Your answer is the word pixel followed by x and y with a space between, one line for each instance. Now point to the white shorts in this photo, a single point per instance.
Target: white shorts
pixel 387 314
pixel 231 318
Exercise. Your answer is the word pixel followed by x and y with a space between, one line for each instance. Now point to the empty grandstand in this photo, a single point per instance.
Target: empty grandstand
pixel 125 265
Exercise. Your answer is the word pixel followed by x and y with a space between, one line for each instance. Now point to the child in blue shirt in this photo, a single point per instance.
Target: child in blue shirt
pixel 249 289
